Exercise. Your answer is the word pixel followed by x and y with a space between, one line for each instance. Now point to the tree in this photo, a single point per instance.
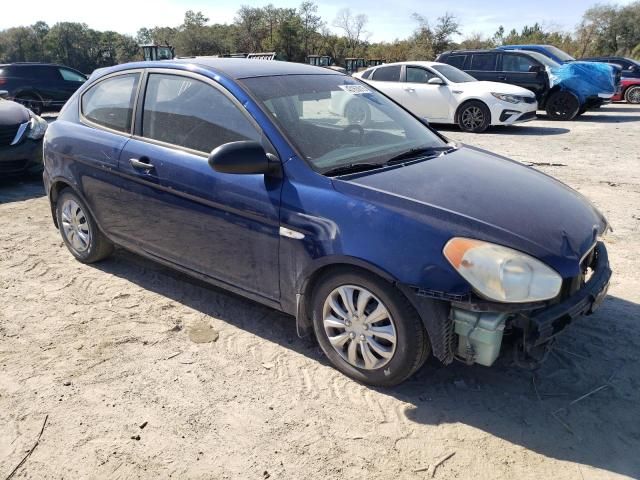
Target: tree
pixel 311 24
pixel 353 27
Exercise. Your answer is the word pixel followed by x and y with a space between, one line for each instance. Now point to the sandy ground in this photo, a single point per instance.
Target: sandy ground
pixel 109 353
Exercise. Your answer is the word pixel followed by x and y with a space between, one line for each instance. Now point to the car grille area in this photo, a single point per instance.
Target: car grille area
pixel 7 134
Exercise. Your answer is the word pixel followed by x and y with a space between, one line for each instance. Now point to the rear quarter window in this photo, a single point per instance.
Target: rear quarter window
pixel 109 103
pixel 387 74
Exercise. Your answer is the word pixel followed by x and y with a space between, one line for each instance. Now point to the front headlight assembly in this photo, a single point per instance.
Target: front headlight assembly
pixel 502 274
pixel 505 97
pixel 37 127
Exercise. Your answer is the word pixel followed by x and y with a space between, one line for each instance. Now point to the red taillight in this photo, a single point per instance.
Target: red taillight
pixel 3 81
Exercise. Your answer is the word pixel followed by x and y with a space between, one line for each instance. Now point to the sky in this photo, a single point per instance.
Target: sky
pixel 388 19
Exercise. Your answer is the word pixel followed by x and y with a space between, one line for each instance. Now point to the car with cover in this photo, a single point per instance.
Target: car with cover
pixel 40 86
pixel 387 241
pixel 443 94
pixel 21 133
pixel 563 90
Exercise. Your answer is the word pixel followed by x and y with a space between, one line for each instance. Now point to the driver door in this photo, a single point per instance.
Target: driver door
pixel 182 211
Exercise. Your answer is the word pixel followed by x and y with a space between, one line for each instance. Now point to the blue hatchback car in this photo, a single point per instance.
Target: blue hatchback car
pixel 386 240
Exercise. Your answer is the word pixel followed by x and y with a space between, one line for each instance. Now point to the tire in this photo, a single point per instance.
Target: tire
pixel 562 105
pixel 357 112
pixel 474 116
pixel 32 102
pixel 632 94
pixel 401 357
pixel 79 231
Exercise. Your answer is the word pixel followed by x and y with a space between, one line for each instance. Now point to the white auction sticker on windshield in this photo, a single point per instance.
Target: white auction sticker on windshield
pixel 355 89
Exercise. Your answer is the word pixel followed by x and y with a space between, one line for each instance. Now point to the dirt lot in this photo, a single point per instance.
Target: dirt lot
pixel 104 350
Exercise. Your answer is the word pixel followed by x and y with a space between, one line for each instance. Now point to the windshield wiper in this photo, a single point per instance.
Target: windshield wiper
pixel 419 153
pixel 352 168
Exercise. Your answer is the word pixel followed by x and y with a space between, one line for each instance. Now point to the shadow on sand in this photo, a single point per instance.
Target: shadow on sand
pixel 601 430
pixel 21 188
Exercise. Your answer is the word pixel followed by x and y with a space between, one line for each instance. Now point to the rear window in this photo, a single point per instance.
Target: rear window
pixel 109 103
pixel 483 61
pixel 39 72
pixel 456 60
pixel 387 74
pixel 367 74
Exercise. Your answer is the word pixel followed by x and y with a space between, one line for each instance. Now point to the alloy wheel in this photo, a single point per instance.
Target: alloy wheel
pixel 75 226
pixel 633 95
pixel 359 327
pixel 472 117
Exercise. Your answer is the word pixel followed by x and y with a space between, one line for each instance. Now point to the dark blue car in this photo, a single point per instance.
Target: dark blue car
pixel 383 238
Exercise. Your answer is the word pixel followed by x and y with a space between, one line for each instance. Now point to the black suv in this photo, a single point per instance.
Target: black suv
pixel 526 69
pixel 40 86
pixel 630 67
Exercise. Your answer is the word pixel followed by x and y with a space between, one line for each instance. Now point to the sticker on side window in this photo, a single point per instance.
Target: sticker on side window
pixel 355 89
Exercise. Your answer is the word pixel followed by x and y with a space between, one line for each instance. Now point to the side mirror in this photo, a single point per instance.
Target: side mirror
pixel 4 94
pixel 244 158
pixel 435 81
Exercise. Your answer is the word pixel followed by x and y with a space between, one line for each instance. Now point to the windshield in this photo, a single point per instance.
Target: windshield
pixel 561 54
pixel 453 74
pixel 335 120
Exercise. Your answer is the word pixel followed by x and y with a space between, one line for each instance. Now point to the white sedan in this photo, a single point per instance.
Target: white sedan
pixel 443 94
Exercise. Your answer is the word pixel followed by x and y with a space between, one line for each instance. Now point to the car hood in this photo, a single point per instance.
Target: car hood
pixel 12 113
pixel 474 193
pixel 495 87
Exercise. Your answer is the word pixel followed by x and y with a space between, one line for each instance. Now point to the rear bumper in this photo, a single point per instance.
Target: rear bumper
pixel 26 157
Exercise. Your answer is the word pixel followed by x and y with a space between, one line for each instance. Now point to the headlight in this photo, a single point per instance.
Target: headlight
pixel 505 97
pixel 500 273
pixel 37 127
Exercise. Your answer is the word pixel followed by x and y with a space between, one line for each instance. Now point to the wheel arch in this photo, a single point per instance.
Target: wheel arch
pixel 308 281
pixel 466 101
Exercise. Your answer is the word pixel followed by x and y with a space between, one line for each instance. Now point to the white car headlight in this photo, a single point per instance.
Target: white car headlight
pixel 500 273
pixel 37 127
pixel 505 97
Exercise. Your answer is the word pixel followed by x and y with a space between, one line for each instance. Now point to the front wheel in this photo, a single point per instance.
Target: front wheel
pixel 474 116
pixel 632 95
pixel 367 329
pixel 79 230
pixel 562 106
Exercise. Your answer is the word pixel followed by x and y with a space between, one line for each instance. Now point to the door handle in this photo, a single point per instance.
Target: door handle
pixel 408 89
pixel 502 77
pixel 141 164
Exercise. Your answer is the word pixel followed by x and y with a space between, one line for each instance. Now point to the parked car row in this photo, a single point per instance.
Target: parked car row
pixel 387 241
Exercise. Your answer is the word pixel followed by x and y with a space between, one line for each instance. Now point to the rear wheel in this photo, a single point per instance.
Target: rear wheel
pixel 32 102
pixel 632 95
pixel 474 116
pixel 367 329
pixel 79 230
pixel 562 106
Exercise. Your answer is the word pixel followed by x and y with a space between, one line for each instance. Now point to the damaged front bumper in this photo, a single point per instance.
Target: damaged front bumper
pixel 475 326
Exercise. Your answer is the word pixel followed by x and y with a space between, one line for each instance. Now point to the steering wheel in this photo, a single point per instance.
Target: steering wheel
pixel 346 139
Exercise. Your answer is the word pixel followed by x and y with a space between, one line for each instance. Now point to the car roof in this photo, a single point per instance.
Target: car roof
pixel 423 63
pixel 237 68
